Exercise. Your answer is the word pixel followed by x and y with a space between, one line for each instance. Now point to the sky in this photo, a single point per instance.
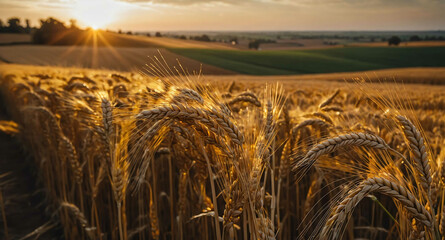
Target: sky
pixel 235 15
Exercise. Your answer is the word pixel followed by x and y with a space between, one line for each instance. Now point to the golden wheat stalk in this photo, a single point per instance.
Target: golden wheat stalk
pixel 72 158
pixel 347 140
pixel 74 210
pixel 185 94
pixel 246 99
pixel 329 100
pixel 310 122
pixel 215 121
pixel 419 151
pixel 383 186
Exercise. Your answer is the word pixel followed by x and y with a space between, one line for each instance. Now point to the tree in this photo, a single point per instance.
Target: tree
pixel 415 38
pixel 13 22
pixel 14 25
pixel 205 38
pixel 28 26
pixel 73 24
pixel 3 27
pixel 158 34
pixel 148 35
pixel 394 40
pixel 254 44
pixel 49 29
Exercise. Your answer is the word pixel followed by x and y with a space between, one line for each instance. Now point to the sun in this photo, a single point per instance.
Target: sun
pixel 96 13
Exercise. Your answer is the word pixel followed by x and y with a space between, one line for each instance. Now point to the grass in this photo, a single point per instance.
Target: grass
pixel 349 59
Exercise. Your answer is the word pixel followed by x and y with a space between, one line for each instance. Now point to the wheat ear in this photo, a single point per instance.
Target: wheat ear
pixel 74 210
pixel 322 116
pixel 383 186
pixel 347 140
pixel 329 100
pixel 186 94
pixel 72 158
pixel 416 235
pixel 107 117
pixel 246 99
pixel 310 122
pixel 211 118
pixel 418 149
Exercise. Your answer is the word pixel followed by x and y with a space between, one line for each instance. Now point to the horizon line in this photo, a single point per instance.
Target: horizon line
pixel 253 31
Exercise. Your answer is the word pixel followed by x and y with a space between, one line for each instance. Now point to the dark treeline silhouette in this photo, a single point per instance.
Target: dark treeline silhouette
pixel 255 44
pixel 204 38
pixel 55 32
pixel 13 25
pixel 426 38
pixel 394 40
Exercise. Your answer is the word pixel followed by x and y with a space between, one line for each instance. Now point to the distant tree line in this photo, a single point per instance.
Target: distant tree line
pixel 13 25
pixel 416 38
pixel 396 40
pixel 255 44
pixel 329 38
pixel 53 31
pixel 204 38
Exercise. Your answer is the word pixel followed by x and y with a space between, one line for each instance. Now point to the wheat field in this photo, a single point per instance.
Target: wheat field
pixel 173 156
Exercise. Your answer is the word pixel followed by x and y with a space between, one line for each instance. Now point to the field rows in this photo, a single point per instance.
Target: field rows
pixel 116 58
pixel 348 59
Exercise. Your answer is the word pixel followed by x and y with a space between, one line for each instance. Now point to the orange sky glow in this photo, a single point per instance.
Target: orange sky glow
pixel 242 15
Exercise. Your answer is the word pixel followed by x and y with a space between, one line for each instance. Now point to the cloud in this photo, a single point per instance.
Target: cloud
pixel 11 5
pixel 45 4
pixel 308 3
pixel 192 2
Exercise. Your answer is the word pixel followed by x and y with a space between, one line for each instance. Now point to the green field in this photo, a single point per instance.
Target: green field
pixel 347 59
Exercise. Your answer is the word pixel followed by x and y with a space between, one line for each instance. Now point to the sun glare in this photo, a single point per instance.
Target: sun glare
pixel 96 13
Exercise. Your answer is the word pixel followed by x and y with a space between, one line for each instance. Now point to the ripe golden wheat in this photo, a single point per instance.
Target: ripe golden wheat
pixel 124 156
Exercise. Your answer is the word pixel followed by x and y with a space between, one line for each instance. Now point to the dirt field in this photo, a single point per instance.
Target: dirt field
pixel 121 59
pixel 405 75
pixel 427 76
pixel 101 38
pixel 123 40
pixel 179 43
pixel 8 38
